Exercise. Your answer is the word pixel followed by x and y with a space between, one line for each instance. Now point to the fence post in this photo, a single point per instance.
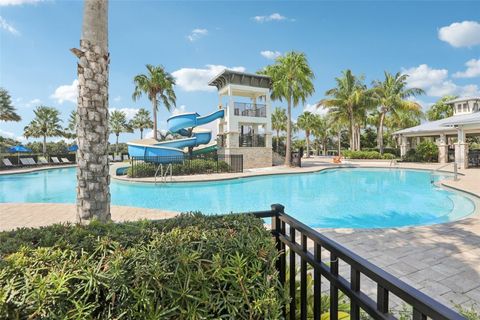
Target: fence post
pixel 281 263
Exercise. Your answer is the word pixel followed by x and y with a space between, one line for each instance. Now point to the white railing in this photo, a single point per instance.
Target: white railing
pixel 164 173
pixel 455 169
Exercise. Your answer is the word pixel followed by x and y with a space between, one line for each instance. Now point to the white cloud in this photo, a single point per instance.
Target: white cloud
pixel 11 135
pixel 129 112
pixel 470 90
pixel 197 34
pixel 435 82
pixel 313 109
pixel 8 27
pixel 179 110
pixel 192 79
pixel 473 69
pixel 271 54
pixel 66 93
pixel 461 34
pixel 273 17
pixel 17 2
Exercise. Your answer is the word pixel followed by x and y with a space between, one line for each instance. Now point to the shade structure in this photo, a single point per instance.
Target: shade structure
pixel 19 148
pixel 73 148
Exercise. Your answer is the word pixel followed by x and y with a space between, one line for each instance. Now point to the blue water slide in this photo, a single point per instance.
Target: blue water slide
pixel 184 125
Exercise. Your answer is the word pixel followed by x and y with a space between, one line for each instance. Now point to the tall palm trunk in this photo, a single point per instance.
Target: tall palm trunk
pixel 93 191
pixel 141 133
pixel 339 142
pixel 288 155
pixel 44 146
pixel 278 141
pixel 154 102
pixel 307 136
pixel 352 133
pixel 116 142
pixel 380 132
pixel 325 146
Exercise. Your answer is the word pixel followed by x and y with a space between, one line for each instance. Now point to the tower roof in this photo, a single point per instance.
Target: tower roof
pixel 242 78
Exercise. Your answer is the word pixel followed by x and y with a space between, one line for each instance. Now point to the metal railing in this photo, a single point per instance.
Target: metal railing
pixel 287 229
pixel 185 165
pixel 251 140
pixel 163 173
pixel 249 109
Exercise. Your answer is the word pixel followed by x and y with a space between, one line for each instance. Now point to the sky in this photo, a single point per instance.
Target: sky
pixel 437 43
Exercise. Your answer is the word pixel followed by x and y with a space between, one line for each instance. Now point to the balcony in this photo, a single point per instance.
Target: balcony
pixel 251 140
pixel 250 110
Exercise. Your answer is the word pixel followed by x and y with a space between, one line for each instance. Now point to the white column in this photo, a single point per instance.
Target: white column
pixel 404 146
pixel 442 149
pixel 268 124
pixel 461 149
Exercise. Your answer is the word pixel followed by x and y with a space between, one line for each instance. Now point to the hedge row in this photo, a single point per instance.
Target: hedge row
pixel 188 167
pixel 190 267
pixel 367 155
pixel 427 151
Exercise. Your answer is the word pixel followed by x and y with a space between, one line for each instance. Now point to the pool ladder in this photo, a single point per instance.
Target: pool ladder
pixel 455 171
pixel 164 173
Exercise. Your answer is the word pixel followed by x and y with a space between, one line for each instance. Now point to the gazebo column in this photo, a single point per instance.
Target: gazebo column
pixel 442 149
pixel 404 146
pixel 461 149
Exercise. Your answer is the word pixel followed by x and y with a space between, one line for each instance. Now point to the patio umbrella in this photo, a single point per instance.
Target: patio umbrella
pixel 73 148
pixel 18 149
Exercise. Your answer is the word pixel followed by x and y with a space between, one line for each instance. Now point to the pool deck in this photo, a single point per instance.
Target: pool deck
pixel 441 260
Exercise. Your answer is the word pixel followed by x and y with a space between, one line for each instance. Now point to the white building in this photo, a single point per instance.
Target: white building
pixel 450 134
pixel 246 128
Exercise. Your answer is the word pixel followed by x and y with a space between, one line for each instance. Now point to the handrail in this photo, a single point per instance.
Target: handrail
pixel 160 166
pixel 423 305
pixel 455 169
pixel 393 162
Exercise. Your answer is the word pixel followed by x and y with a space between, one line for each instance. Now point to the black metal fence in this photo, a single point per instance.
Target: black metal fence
pixel 325 260
pixel 187 165
pixel 251 140
pixel 474 158
pixel 249 109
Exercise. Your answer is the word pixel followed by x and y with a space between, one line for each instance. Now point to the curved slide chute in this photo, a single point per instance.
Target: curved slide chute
pixel 184 124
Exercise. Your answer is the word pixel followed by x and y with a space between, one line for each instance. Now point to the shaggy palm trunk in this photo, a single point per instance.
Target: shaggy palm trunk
pixel 352 133
pixel 288 154
pixel 307 136
pixel 44 146
pixel 278 141
pixel 154 103
pixel 325 142
pixel 116 142
pixel 380 133
pixel 93 191
pixel 339 142
pixel 141 133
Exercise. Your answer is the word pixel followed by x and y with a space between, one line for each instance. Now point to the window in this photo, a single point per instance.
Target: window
pixel 465 107
pixel 475 107
pixel 459 107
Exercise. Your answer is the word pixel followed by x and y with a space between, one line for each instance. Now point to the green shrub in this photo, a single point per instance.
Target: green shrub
pixel 427 151
pixel 195 166
pixel 367 155
pixel 190 267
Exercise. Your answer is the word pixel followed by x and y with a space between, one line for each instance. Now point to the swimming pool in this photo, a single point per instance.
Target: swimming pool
pixel 347 197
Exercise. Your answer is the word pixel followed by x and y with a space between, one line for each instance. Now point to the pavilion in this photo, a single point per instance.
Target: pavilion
pixel 450 134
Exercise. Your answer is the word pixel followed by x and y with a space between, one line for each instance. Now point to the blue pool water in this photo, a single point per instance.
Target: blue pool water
pixel 357 198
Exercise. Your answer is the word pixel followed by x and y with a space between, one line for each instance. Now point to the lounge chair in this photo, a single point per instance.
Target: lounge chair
pixel 55 160
pixel 125 157
pixel 8 163
pixel 42 160
pixel 25 162
pixel 65 160
pixel 117 158
pixel 31 161
pixel 110 158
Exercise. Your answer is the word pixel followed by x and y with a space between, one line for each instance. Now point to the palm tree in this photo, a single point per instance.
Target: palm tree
pixel 118 124
pixel 141 121
pixel 321 131
pixel 157 85
pixel 307 122
pixel 441 109
pixel 347 100
pixel 93 191
pixel 391 96
pixel 291 80
pixel 45 124
pixel 71 129
pixel 7 111
pixel 279 122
